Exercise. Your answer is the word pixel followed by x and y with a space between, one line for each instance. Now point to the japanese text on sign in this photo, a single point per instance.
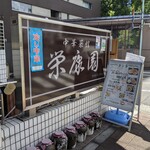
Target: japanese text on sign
pixel 36 49
pixel 77 67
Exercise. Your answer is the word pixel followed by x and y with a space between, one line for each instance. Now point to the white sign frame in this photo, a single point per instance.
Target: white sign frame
pixel 107 87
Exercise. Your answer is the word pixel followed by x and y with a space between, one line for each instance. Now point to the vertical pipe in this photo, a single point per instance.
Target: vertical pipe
pixel 125 40
pixel 22 62
pixel 142 22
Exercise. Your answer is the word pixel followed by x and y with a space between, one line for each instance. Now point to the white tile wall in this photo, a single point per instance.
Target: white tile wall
pixel 19 135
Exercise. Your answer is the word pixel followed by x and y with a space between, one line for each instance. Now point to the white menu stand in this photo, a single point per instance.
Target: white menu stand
pixel 118 76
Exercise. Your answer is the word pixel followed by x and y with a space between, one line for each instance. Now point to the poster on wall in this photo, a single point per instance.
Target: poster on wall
pixel 36 49
pixel 98 42
pixel 103 44
pixel 121 83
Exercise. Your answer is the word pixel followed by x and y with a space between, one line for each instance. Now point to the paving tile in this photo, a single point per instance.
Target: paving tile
pixel 143 120
pixel 137 128
pixel 145 135
pixel 123 144
pixel 111 144
pixel 118 133
pixel 131 148
pixel 100 148
pixel 104 135
pixel 139 143
pixel 91 146
pixel 147 126
pixel 144 107
pixel 126 138
pixel 144 115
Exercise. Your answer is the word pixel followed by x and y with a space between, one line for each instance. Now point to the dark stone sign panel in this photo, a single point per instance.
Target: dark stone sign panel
pixel 59 59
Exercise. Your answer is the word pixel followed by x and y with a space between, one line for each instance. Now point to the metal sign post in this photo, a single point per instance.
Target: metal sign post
pixel 142 23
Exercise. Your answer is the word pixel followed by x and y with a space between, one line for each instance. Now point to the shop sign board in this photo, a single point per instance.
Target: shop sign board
pixel 59 58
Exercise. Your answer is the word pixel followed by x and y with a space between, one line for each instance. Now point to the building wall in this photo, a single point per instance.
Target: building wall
pixel 5 15
pixel 72 7
pixel 67 9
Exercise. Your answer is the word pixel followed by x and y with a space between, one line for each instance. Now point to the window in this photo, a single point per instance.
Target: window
pixel 87 5
pixel 41 11
pixel 63 16
pixel 55 14
pixel 81 3
pixel 22 7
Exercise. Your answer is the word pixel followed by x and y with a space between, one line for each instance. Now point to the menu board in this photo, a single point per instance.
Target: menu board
pixel 121 84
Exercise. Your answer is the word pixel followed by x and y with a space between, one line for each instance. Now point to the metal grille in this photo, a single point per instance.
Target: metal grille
pixel 2 54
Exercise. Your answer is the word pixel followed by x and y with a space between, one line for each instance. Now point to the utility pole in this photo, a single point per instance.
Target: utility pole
pixel 142 24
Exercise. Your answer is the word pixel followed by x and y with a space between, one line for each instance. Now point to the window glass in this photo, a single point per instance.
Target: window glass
pixel 22 7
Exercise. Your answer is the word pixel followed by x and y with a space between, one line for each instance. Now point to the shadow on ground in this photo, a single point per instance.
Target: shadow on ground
pixel 121 139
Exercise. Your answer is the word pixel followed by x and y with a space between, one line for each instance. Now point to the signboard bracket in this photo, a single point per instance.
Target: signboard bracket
pixel 32 112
